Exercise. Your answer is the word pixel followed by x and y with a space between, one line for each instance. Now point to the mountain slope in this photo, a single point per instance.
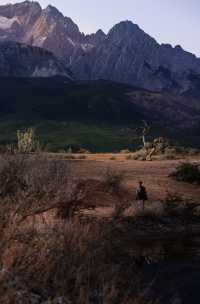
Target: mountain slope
pixel 126 54
pixel 131 56
pixel 99 115
pixel 21 60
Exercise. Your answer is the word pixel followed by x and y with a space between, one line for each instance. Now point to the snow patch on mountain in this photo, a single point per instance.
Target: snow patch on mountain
pixel 40 40
pixel 71 41
pixel 7 23
pixel 87 47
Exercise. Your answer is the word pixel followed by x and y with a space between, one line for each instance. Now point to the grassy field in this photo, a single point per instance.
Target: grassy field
pixel 99 116
pixel 59 136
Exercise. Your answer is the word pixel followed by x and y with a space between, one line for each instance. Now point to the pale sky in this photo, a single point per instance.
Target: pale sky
pixel 168 21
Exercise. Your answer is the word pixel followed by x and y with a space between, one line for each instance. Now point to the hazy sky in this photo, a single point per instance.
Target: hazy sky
pixel 169 21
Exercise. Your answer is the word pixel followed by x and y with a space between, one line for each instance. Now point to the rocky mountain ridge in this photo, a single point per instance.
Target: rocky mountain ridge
pixel 21 60
pixel 126 54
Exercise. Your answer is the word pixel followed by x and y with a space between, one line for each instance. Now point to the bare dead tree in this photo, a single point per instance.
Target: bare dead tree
pixel 145 131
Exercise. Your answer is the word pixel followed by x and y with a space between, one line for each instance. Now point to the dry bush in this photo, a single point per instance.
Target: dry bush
pixel 125 151
pixel 83 151
pixel 165 157
pixel 39 185
pixel 27 141
pixel 56 258
pixel 12 175
pixel 82 262
pixel 172 202
pixel 113 180
pixel 187 172
pixel 177 206
pixel 12 185
pixel 192 152
pixel 34 185
pixel 130 157
pixel 140 155
pixel 67 258
pixel 76 259
pixel 52 187
pixel 114 184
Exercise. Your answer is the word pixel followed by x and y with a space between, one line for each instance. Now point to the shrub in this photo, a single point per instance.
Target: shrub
pixel 130 157
pixel 69 150
pixel 193 152
pixel 33 186
pixel 27 141
pixel 125 151
pixel 83 151
pixel 140 155
pixel 114 184
pixel 187 172
pixel 113 179
pixel 170 153
pixel 180 207
pixel 12 178
pixel 172 203
pixel 81 262
pixel 165 157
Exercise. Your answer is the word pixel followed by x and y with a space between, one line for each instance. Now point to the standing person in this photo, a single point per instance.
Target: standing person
pixel 141 194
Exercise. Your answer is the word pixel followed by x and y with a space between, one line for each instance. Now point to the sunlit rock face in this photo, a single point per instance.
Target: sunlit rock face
pixel 26 22
pixel 126 54
pixel 20 60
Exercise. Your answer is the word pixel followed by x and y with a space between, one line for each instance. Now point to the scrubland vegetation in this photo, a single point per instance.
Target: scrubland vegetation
pixel 53 251
pixel 187 172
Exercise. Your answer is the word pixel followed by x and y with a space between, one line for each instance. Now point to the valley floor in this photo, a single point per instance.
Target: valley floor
pixel 154 174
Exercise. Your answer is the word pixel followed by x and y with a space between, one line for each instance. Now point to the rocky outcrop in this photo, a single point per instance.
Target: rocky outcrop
pixel 20 60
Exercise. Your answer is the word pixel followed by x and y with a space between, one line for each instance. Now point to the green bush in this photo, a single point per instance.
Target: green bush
pixel 187 172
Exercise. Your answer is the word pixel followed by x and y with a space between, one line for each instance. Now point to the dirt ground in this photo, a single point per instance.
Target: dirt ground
pixel 154 174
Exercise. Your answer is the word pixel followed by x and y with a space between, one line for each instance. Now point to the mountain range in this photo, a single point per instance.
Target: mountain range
pixel 126 54
pixel 92 90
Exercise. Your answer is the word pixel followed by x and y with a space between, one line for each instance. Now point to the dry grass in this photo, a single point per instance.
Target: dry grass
pixel 74 260
pixel 47 250
pixel 50 250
